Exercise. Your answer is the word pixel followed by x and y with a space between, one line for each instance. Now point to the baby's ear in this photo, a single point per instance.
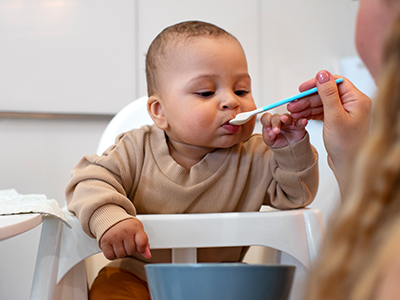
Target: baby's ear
pixel 155 109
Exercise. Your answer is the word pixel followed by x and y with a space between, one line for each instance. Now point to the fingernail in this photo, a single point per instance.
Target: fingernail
pixel 323 76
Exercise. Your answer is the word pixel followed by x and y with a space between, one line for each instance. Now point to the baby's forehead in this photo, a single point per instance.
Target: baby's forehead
pixel 181 47
pixel 184 39
pixel 183 43
pixel 186 47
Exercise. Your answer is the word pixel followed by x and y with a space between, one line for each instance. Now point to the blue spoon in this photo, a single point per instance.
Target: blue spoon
pixel 242 118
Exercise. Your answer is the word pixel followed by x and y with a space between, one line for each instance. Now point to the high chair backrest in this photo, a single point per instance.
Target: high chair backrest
pixel 131 116
pixel 60 268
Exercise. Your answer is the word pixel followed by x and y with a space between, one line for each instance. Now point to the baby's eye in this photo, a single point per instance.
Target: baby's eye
pixel 206 94
pixel 241 92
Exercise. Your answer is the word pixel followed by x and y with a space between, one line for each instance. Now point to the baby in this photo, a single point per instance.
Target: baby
pixel 191 160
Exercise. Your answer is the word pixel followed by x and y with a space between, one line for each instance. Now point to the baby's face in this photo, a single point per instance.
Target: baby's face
pixel 206 84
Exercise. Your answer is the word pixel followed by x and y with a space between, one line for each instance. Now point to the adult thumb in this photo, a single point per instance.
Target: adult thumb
pixel 328 92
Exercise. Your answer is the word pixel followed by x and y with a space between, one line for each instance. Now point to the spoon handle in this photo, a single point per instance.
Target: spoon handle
pixel 295 97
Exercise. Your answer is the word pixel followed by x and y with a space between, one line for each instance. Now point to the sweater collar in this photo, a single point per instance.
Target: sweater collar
pixel 201 171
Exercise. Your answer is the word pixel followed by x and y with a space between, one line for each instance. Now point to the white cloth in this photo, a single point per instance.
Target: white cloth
pixel 12 203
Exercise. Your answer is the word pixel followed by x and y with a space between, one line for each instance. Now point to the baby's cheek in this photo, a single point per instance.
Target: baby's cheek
pixel 196 119
pixel 248 128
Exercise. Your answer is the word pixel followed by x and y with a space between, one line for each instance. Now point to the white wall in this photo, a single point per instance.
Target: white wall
pixel 286 41
pixel 37 156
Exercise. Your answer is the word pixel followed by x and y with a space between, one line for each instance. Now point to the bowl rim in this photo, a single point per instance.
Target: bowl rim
pixel 217 265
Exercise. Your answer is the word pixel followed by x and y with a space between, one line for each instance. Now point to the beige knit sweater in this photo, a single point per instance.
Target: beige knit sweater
pixel 137 175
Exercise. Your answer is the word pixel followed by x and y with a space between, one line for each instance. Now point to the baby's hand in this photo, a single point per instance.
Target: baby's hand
pixel 124 239
pixel 282 130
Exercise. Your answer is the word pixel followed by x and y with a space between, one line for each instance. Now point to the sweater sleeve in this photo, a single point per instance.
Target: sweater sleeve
pixel 104 185
pixel 295 175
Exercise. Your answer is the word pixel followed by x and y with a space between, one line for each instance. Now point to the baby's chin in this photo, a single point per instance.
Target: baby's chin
pixel 239 139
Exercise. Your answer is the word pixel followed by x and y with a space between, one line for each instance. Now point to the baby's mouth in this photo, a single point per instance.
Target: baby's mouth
pixel 230 128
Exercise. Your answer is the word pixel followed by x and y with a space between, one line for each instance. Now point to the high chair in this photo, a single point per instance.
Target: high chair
pixel 60 271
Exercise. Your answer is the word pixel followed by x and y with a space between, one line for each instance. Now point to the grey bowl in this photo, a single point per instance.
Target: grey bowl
pixel 211 281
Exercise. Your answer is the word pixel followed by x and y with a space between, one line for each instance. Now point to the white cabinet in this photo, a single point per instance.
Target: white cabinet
pixel 67 56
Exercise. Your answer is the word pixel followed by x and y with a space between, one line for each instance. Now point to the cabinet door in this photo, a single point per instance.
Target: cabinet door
pixel 239 18
pixel 67 56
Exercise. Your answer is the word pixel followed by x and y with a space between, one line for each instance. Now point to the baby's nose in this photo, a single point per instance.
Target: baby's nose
pixel 229 102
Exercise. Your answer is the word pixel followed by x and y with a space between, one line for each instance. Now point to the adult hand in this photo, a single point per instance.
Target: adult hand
pixel 124 239
pixel 346 113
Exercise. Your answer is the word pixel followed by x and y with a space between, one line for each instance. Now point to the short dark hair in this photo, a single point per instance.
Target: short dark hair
pixel 171 36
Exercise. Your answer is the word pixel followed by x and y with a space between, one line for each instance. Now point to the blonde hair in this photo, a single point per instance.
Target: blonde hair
pixel 364 234
pixel 163 44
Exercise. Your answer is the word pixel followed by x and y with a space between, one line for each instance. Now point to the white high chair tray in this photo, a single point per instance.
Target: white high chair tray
pixel 12 225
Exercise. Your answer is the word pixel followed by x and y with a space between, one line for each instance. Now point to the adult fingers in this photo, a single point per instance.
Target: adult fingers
pixel 309 84
pixel 311 101
pixel 309 113
pixel 329 94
